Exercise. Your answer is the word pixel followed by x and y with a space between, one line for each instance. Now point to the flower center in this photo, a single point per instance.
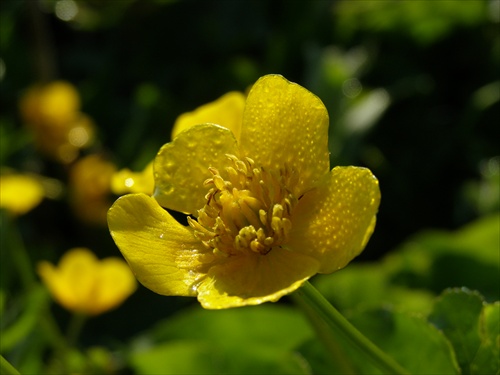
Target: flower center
pixel 247 212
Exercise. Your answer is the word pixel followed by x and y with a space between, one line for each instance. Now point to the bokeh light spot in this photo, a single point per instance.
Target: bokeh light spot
pixel 66 10
pixel 352 87
pixel 78 136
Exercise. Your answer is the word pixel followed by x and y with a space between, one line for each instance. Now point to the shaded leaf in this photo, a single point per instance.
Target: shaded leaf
pixel 487 359
pixel 205 357
pixel 470 326
pixel 321 361
pixel 361 286
pixel 254 340
pixel 26 322
pixel 437 259
pixel 414 343
pixel 269 325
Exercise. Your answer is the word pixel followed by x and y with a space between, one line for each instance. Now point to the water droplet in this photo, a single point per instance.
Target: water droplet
pixel 194 288
pixel 161 236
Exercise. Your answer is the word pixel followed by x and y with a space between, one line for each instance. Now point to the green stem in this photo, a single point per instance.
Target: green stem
pixel 53 333
pixel 329 340
pixel 6 368
pixel 75 328
pixel 315 305
pixel 43 46
pixel 17 252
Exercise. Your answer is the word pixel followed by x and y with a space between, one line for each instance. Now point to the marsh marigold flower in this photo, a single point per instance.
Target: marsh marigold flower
pixel 20 193
pixel 84 284
pixel 266 212
pixel 89 188
pixel 52 112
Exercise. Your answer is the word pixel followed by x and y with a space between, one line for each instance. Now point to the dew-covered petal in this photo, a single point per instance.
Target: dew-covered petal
pixel 163 254
pixel 227 111
pixel 334 221
pixel 252 279
pixel 181 166
pixel 286 125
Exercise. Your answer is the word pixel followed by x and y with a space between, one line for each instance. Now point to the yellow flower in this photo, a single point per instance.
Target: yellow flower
pixel 52 112
pixel 55 103
pixel 20 193
pixel 226 111
pixel 267 213
pixel 89 184
pixel 84 284
pixel 126 181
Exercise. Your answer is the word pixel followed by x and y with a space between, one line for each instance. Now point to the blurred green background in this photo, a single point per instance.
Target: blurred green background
pixel 412 89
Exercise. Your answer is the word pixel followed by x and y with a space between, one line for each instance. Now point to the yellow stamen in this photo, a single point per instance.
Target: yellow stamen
pixel 247 211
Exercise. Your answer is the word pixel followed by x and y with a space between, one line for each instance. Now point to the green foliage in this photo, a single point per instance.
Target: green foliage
pixel 472 326
pixel 22 325
pixel 416 19
pixel 399 302
pixel 412 341
pixel 254 340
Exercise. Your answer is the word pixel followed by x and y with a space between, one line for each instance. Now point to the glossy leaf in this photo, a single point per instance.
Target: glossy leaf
pixel 472 328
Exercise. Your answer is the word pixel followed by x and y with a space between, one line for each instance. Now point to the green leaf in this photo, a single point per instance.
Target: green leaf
pixel 472 328
pixel 322 361
pixel 487 359
pixel 414 343
pixel 362 286
pixel 254 340
pixel 26 322
pixel 204 357
pixel 178 357
pixel 269 325
pixel 437 259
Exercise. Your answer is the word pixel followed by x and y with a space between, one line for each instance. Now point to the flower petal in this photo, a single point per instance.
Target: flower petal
pixel 163 254
pixel 334 222
pixel 227 111
pixel 181 166
pixel 81 283
pixel 73 281
pixel 125 181
pixel 252 279
pixel 286 125
pixel 116 283
pixel 20 193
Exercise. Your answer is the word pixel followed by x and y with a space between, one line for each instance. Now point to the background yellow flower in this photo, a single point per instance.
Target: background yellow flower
pixel 84 284
pixel 89 188
pixel 20 193
pixel 52 112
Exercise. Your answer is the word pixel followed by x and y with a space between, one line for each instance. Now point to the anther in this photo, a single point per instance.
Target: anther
pixel 219 182
pixel 248 210
pixel 263 217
